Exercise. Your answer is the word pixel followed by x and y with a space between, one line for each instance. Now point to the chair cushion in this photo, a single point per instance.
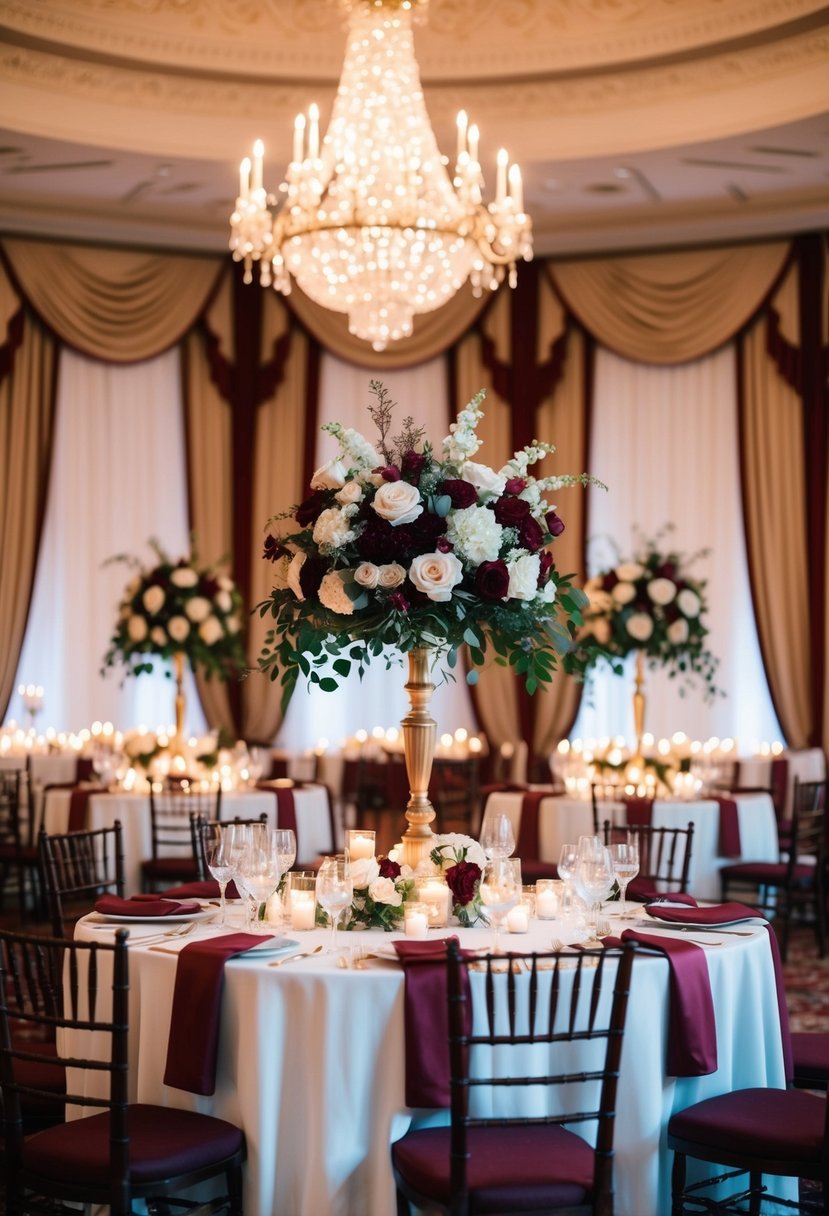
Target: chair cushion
pixel 164 1143
pixel 516 1168
pixel 766 872
pixel 811 1058
pixel 780 1124
pixel 46 1074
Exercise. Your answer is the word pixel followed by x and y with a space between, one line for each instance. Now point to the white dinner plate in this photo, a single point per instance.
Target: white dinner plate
pixel 173 918
pixel 750 921
pixel 272 945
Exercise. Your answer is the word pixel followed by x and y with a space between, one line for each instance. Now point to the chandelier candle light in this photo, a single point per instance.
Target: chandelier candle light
pixel 370 223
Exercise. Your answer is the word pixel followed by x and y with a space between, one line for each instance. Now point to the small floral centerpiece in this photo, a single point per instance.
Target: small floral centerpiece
pixel 396 547
pixel 651 604
pixel 461 861
pixel 380 891
pixel 177 607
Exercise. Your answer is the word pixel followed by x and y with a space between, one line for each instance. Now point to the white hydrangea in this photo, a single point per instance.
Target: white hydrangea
pixel 462 442
pixel 333 595
pixel 332 529
pixel 475 533
pixel 357 450
pixel 661 590
pixel 523 576
pixel 688 602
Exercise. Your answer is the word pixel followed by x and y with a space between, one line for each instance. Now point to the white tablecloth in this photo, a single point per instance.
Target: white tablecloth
pixel 563 820
pixel 807 764
pixel 311 1066
pixel 49 768
pixel 133 810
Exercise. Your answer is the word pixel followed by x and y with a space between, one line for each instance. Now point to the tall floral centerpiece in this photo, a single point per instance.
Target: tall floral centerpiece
pixel 177 610
pixel 650 605
pixel 398 547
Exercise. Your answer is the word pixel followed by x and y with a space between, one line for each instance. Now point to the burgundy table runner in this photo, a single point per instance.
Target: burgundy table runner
pixel 78 808
pixel 426 1021
pixel 779 786
pixel 692 1028
pixel 528 843
pixel 639 811
pixel 143 905
pixel 193 1044
pixel 729 839
pixel 285 804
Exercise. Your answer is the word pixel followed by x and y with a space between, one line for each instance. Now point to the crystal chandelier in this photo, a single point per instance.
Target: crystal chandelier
pixel 369 222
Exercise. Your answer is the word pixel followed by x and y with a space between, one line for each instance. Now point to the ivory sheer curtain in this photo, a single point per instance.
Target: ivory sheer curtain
pixel 117 480
pixel 379 699
pixel 665 443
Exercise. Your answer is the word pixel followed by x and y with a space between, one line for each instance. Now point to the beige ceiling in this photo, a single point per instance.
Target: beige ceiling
pixel 636 122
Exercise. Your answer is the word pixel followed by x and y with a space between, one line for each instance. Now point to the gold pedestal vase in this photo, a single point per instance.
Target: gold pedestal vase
pixel 639 707
pixel 178 739
pixel 419 736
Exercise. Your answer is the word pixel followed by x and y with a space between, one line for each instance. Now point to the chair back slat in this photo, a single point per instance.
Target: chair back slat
pixel 79 867
pixel 170 813
pixel 664 853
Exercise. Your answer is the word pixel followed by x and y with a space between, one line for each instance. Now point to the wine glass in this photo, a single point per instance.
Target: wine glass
pixel 286 845
pixel 260 867
pixel 217 855
pixel 567 859
pixel 238 838
pixel 334 890
pixel 500 889
pixel 625 857
pixel 497 837
pixel 594 881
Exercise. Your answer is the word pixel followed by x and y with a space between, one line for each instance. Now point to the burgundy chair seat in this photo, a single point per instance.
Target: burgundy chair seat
pixel 773 1125
pixel 26 853
pixel 761 872
pixel 44 1073
pixel 175 867
pixel 810 1053
pixel 163 1143
pixel 204 888
pixel 532 869
pixel 514 1168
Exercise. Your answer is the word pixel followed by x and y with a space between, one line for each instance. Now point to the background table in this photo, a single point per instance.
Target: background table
pixel 311 1066
pixel 562 820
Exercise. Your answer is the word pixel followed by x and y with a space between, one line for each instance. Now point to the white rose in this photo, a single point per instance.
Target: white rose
pixel 158 636
pixel 383 891
pixel 332 528
pixel 523 577
pixel 476 534
pixel 137 628
pixel 330 477
pixel 364 871
pixel 623 593
pixel 352 491
pixel 629 572
pixel 332 594
pixel 688 602
pixel 210 631
pixel 183 576
pixel 225 582
pixel 678 632
pixel 367 575
pixel 178 628
pixel 294 570
pixel 436 574
pixel 661 590
pixel 639 626
pixel 232 624
pixel 398 502
pixel 391 575
pixel 483 478
pixel 198 609
pixel 153 599
pixel 224 601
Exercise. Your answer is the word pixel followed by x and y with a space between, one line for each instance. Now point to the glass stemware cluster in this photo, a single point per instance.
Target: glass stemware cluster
pixel 500 886
pixel 255 856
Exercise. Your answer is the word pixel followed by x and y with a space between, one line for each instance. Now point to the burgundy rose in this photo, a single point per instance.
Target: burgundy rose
pixel 311 575
pixel 531 534
pixel 389 472
pixel 208 587
pixel 515 485
pixel 492 580
pixel 462 493
pixel 462 880
pixel 389 869
pixel 443 545
pixel 158 577
pixel 309 511
pixel 667 570
pixel 609 581
pixel 554 525
pixel 412 465
pixel 545 559
pixel 399 601
pixel 511 511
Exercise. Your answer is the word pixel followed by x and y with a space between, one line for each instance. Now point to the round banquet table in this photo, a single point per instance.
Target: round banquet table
pixel 311 1062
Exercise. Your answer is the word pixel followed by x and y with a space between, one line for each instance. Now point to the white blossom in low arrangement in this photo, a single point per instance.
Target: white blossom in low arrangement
pixel 651 604
pixel 176 606
pixel 397 547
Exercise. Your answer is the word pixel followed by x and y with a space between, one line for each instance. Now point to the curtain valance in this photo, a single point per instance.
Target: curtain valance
pixel 672 307
pixel 115 305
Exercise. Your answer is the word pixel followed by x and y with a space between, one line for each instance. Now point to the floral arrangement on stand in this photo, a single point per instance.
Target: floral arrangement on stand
pixel 395 547
pixel 649 604
pixel 177 607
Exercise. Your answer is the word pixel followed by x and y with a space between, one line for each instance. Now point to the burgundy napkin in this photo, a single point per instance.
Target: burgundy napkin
pixel 692 1029
pixel 78 805
pixel 676 897
pixel 143 905
pixel 779 786
pixel 426 1021
pixel 638 811
pixel 193 1043
pixel 716 914
pixel 528 844
pixel 205 888
pixel 729 845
